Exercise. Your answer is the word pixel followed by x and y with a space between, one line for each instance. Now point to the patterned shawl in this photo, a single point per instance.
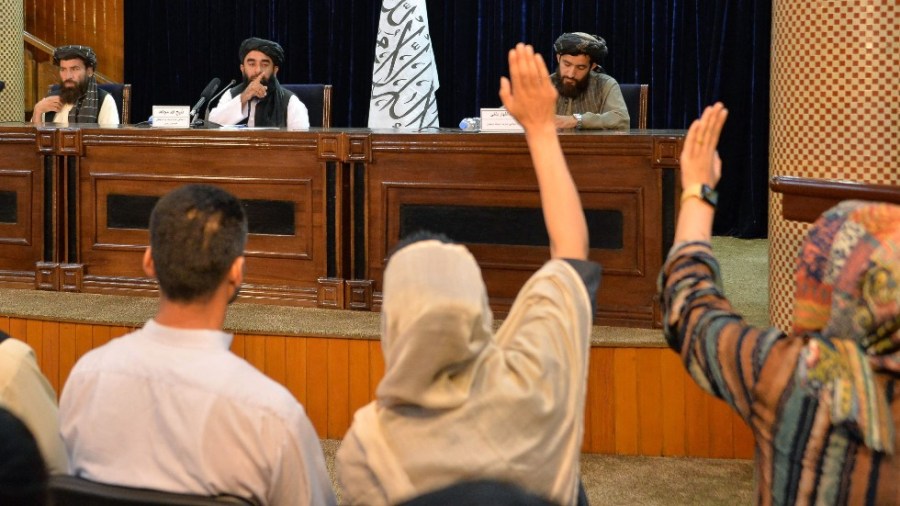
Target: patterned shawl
pixel 87 108
pixel 848 304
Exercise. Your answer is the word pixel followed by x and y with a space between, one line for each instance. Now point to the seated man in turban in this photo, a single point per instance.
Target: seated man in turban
pixel 78 99
pixel 822 401
pixel 260 101
pixel 458 401
pixel 588 97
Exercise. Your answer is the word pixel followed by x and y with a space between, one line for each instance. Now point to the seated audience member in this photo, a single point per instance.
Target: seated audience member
pixel 588 97
pixel 260 100
pixel 79 100
pixel 458 402
pixel 23 475
pixel 822 401
pixel 169 407
pixel 27 394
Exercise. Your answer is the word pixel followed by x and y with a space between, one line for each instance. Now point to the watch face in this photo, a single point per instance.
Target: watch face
pixel 709 195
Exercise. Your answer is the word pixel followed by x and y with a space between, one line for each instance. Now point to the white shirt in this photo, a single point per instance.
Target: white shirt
pixel 26 393
pixel 175 410
pixel 107 115
pixel 228 111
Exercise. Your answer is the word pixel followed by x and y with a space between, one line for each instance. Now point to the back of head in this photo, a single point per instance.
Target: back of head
pixel 196 233
pixel 848 277
pixel 85 53
pixel 578 43
pixel 23 475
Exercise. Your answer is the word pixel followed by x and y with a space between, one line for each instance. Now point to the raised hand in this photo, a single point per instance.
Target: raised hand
pixel 700 161
pixel 530 96
pixel 254 89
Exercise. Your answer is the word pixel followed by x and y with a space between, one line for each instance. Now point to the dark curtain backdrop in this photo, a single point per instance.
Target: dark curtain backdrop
pixel 691 53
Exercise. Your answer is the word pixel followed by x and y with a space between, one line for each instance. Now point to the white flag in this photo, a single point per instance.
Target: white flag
pixel 404 77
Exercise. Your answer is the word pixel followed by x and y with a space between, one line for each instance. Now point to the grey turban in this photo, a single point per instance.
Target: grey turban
pixel 269 48
pixel 70 52
pixel 576 43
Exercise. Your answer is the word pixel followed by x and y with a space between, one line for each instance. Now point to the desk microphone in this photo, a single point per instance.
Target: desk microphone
pixel 217 95
pixel 208 92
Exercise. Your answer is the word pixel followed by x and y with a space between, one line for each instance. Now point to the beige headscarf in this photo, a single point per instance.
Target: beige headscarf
pixel 457 402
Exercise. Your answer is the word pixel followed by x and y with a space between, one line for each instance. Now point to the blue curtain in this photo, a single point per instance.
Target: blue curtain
pixel 690 52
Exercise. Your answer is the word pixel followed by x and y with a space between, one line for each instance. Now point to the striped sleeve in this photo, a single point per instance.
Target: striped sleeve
pixel 719 349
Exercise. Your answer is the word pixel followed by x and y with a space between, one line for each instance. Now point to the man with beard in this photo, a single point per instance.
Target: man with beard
pixel 169 407
pixel 260 100
pixel 588 97
pixel 79 100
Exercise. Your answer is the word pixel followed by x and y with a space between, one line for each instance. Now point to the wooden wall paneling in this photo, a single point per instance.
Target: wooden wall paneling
pixel 696 408
pixel 649 385
pixel 338 384
pixel 602 396
pixel 22 213
pixel 67 353
pixel 96 23
pixel 34 336
pixel 672 399
pixel 4 323
pixel 237 345
pixel 100 335
pixel 296 365
pixel 626 405
pixel 316 384
pixel 743 439
pixel 255 351
pixel 588 414
pixel 51 350
pixel 376 367
pixel 119 331
pixel 276 362
pixel 360 392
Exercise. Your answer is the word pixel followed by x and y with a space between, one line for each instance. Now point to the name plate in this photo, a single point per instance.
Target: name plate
pixel 498 120
pixel 171 116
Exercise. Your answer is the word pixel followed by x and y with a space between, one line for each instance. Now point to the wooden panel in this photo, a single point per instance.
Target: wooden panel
pixel 672 402
pixel 640 401
pixel 359 375
pixel 805 199
pixel 95 23
pixel 601 396
pixel 295 358
pixel 338 386
pixel 275 359
pixel 491 175
pixel 649 383
pixel 21 206
pixel 626 410
pixel 50 351
pixel 316 384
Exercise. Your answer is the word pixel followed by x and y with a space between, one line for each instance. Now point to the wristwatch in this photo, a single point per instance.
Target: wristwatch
pixel 701 191
pixel 578 122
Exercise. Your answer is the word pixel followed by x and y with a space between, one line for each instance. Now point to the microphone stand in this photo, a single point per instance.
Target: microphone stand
pixel 205 122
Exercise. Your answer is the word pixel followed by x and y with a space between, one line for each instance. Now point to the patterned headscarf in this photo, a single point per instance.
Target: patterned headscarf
pixel 576 43
pixel 848 304
pixel 74 51
pixel 267 47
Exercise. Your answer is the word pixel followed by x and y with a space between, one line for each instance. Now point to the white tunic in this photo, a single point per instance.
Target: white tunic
pixel 228 111
pixel 107 115
pixel 175 410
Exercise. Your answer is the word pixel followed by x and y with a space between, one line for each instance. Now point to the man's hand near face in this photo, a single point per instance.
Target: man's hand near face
pixel 255 89
pixel 48 104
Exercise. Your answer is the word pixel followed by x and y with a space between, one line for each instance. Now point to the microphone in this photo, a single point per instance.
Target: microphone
pixel 204 97
pixel 217 95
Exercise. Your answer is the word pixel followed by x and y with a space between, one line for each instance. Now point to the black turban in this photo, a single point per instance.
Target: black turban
pixel 70 52
pixel 576 43
pixel 269 48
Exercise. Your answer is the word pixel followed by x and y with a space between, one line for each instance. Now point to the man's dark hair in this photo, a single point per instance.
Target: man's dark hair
pixel 23 474
pixel 196 233
pixel 579 43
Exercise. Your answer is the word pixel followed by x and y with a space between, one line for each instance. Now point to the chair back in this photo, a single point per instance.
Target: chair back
pixel 71 490
pixel 636 99
pixel 120 92
pixel 317 99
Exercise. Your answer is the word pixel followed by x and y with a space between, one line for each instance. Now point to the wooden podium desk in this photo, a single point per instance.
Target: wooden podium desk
pixel 325 207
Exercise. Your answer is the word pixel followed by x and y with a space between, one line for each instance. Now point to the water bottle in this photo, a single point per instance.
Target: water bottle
pixel 470 124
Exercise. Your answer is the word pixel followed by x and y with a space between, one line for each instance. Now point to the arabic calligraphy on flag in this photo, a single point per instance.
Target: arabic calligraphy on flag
pixel 404 76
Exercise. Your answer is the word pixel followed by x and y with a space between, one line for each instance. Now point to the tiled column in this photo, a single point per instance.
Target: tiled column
pixel 12 61
pixel 835 111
